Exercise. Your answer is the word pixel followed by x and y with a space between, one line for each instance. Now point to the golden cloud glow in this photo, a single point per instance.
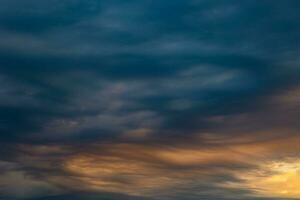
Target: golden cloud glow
pixel 146 170
pixel 272 179
pixel 116 174
pixel 258 161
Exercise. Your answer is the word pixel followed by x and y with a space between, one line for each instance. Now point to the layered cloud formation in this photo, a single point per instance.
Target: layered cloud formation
pixel 154 100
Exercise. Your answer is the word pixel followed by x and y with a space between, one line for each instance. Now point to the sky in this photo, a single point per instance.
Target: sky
pixel 149 100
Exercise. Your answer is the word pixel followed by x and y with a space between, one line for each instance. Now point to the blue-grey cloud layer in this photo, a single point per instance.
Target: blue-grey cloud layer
pixel 153 72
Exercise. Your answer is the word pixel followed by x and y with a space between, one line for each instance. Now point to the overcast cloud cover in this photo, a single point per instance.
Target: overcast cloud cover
pixel 149 99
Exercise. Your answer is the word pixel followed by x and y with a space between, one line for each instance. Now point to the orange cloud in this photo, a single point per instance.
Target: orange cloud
pixel 154 170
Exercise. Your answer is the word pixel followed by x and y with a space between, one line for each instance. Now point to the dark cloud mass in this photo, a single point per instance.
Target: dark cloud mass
pixel 149 100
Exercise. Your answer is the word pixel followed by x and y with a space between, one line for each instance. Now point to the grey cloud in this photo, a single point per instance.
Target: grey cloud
pixel 174 89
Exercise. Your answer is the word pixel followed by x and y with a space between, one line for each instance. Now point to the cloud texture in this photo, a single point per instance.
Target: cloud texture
pixel 153 100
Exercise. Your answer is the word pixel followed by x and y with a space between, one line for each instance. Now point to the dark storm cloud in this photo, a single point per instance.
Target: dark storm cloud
pixel 158 74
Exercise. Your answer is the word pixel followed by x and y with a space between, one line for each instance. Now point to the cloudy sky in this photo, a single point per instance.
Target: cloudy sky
pixel 149 100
